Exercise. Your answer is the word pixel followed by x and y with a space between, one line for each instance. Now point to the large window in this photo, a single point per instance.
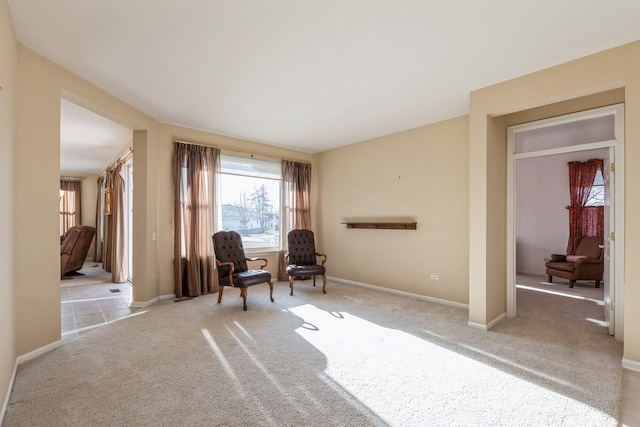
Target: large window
pixel 70 203
pixel 249 200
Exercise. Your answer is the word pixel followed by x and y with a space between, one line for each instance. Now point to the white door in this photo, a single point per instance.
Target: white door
pixel 608 277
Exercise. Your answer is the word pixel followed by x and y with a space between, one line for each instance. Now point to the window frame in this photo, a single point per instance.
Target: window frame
pixel 276 203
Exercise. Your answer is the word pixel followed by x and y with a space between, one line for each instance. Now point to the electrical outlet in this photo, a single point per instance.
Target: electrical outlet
pixel 434 277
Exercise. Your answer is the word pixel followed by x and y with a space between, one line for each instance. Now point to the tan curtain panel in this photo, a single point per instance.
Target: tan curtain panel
pixel 113 210
pixel 296 179
pixel 99 246
pixel 70 204
pixel 581 177
pixel 108 251
pixel 194 172
pixel 119 253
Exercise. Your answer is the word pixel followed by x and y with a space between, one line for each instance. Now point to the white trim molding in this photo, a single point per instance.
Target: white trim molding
pixel 403 293
pixel 20 360
pixel 489 325
pixel 143 304
pixel 8 396
pixel 38 352
pixel 631 365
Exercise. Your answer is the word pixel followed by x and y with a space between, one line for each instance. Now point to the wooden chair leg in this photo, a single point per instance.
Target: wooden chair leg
pixel 314 280
pixel 243 293
pixel 220 289
pixel 597 283
pixel 291 284
pixel 271 291
pixel 324 284
pixel 550 278
pixel 571 282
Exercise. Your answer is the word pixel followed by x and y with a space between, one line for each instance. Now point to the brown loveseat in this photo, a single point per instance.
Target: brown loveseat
pixel 586 263
pixel 74 248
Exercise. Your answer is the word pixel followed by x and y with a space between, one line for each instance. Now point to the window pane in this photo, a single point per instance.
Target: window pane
pixel 250 200
pixel 565 135
pixel 596 195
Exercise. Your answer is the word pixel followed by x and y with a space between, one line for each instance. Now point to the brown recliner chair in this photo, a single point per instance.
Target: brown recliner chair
pixel 232 266
pixel 74 248
pixel 586 263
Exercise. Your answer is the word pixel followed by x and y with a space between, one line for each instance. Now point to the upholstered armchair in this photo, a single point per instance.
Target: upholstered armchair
pixel 74 248
pixel 586 263
pixel 302 258
pixel 233 270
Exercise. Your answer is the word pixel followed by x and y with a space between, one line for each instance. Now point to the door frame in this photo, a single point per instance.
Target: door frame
pixel 618 144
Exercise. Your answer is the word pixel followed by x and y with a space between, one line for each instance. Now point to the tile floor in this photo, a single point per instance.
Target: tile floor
pixel 91 301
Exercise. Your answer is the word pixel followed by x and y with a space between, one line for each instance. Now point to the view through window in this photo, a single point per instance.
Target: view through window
pixel 249 200
pixel 596 195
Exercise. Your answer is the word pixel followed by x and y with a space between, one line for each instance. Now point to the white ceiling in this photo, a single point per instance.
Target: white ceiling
pixel 313 75
pixel 88 141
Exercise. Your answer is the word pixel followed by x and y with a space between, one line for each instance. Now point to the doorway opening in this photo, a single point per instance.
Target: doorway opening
pixel 89 144
pixel 537 218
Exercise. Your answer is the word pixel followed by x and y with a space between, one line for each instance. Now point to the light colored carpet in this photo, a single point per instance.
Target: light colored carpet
pixel 585 289
pixel 352 357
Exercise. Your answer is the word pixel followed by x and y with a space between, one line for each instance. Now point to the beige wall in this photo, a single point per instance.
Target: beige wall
pixel 617 68
pixel 419 173
pixel 437 174
pixel 169 134
pixel 8 143
pixel 41 85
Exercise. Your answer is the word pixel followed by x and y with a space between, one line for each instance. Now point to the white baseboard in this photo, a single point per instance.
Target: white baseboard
pixel 8 395
pixel 38 352
pixel 397 292
pixel 142 304
pixel 489 325
pixel 21 359
pixel 631 365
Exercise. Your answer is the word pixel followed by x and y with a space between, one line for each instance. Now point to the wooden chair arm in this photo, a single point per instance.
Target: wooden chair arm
pixel 262 266
pixel 323 255
pixel 231 270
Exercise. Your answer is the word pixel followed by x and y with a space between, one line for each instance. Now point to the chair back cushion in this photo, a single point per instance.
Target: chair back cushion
pixel 589 247
pixel 228 248
pixel 301 247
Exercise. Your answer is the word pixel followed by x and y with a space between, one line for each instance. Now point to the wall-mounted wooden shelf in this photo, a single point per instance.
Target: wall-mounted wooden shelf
pixel 383 225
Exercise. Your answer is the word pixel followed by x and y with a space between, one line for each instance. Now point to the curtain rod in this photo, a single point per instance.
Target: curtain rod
pixel 72 178
pixel 239 152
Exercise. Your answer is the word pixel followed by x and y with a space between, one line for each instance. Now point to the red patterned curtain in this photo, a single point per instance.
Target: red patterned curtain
pixel 581 217
pixel 593 221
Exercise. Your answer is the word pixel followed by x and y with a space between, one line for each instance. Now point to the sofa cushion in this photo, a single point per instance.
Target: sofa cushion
pixel 589 247
pixel 561 266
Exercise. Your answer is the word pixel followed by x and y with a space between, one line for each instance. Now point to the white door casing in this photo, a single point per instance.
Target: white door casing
pixel 608 277
pixel 616 267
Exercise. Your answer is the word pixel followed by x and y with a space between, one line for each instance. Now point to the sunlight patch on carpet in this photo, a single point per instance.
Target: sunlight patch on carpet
pixel 562 294
pixel 406 380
